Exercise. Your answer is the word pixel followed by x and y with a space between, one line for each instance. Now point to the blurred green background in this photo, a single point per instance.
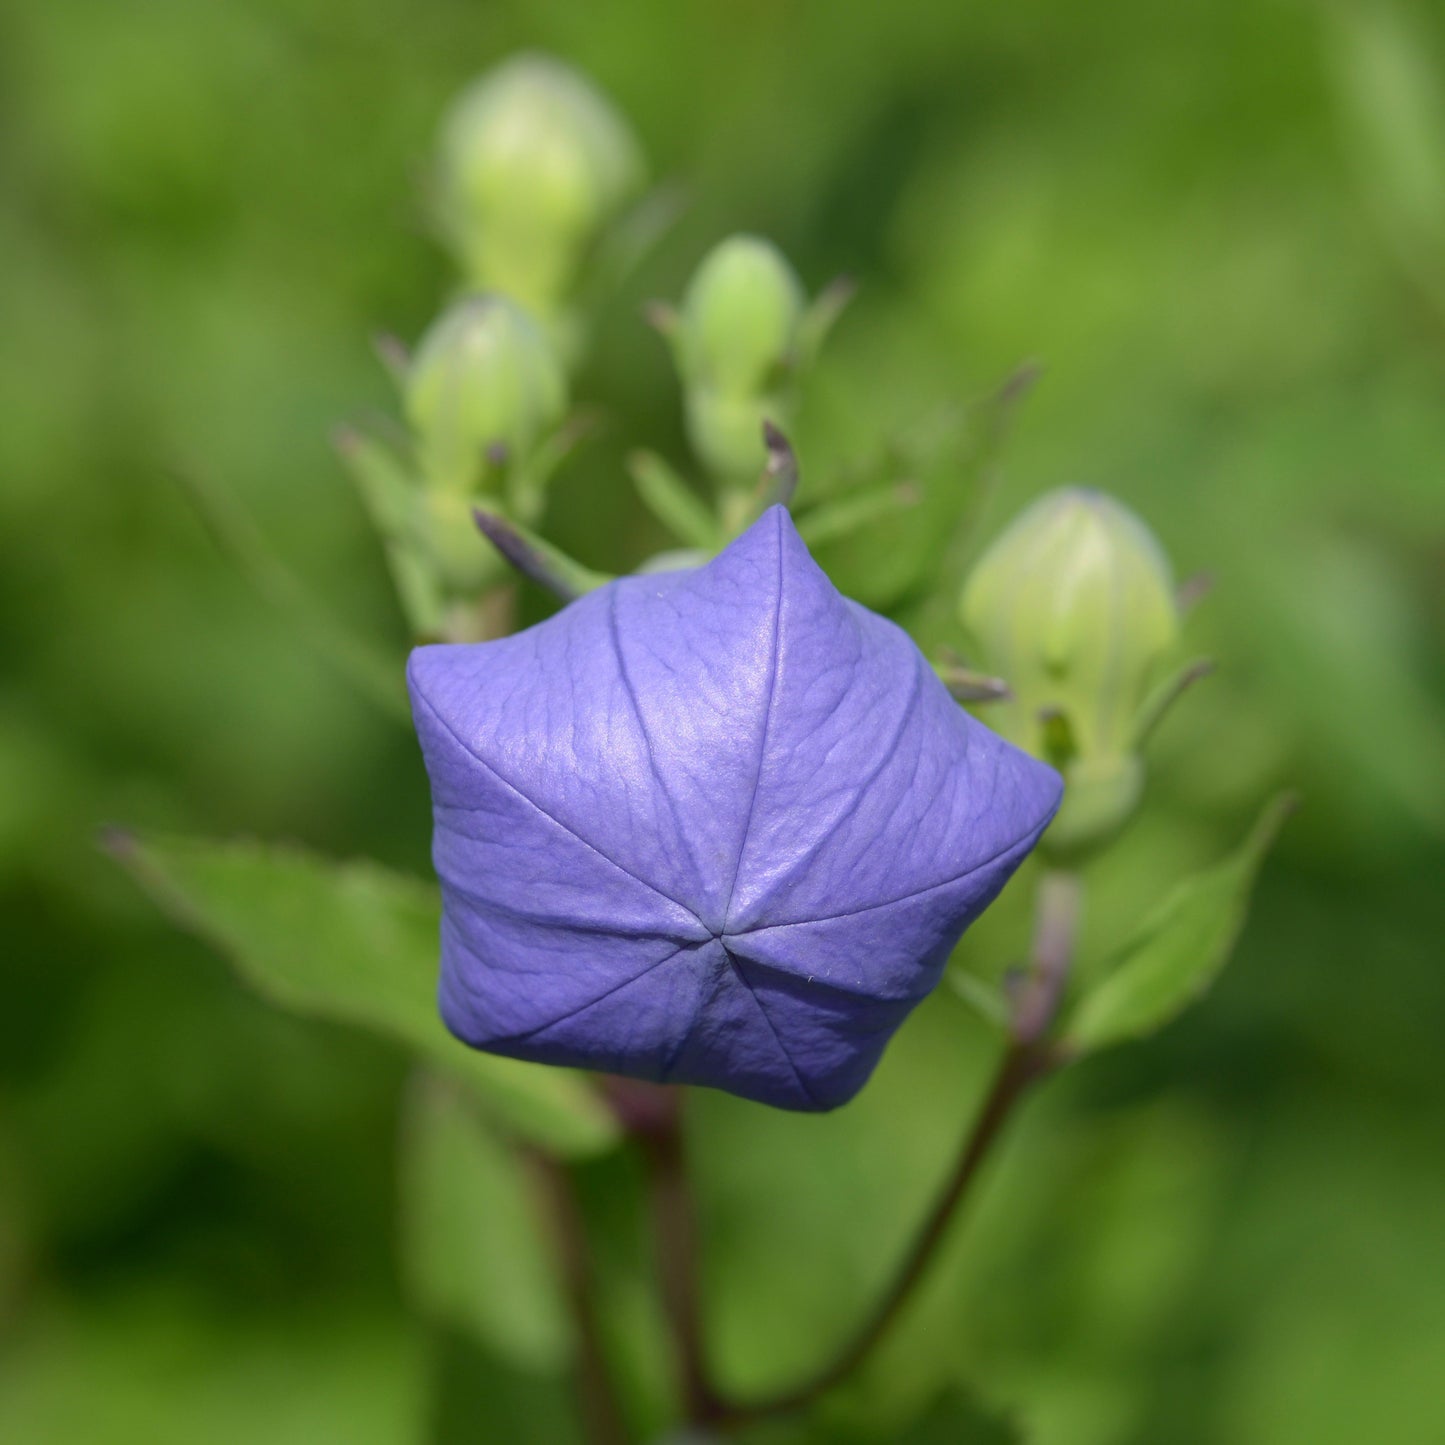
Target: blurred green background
pixel 1219 224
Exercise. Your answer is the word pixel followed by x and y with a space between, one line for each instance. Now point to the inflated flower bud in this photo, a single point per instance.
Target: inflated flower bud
pixel 534 162
pixel 484 383
pixel 736 344
pixel 713 826
pixel 1074 607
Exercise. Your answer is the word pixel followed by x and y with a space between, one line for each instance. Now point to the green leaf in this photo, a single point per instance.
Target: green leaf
pixel 356 943
pixel 1180 950
pixel 473 1252
pixel 673 502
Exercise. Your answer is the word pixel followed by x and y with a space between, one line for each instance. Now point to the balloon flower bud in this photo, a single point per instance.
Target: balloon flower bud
pixel 1074 607
pixel 714 826
pixel 534 162
pixel 483 385
pixel 737 341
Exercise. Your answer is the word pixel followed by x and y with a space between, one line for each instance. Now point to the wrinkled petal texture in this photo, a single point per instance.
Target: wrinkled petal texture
pixel 716 827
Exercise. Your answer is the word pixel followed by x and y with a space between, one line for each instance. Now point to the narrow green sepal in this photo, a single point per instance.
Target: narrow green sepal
pixel 539 560
pixel 779 483
pixel 669 498
pixel 527 481
pixel 966 685
pixel 394 354
pixel 1165 695
pixel 821 316
pixel 397 506
pixel 841 517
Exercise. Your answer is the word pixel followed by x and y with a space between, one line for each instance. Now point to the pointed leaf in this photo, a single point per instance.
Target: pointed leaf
pixel 1180 950
pixel 473 1251
pixel 356 943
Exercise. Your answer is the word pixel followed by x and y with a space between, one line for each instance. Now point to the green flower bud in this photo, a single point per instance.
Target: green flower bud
pixel 484 383
pixel 1074 607
pixel 726 432
pixel 534 163
pixel 740 318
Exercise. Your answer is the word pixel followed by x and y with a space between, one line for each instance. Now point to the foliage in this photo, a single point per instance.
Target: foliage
pixel 1214 224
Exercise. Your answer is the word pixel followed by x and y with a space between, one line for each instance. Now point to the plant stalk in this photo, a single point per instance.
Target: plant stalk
pixel 1027 1058
pixel 602 1418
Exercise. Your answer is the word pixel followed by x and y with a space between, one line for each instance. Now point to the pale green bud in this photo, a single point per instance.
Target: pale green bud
pixel 726 432
pixel 740 318
pixel 1074 607
pixel 482 389
pixel 534 162
pixel 736 338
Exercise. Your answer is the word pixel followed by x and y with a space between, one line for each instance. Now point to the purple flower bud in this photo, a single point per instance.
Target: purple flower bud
pixel 720 826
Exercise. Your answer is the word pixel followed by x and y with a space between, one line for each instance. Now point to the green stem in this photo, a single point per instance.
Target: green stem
pixel 1027 1058
pixel 602 1418
pixel 678 1256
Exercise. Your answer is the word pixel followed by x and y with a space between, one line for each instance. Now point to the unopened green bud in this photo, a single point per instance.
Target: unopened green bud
pixel 740 318
pixel 482 390
pixel 534 162
pixel 736 341
pixel 1074 608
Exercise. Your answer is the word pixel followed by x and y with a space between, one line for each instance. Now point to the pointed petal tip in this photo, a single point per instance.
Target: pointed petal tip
pixel 428 664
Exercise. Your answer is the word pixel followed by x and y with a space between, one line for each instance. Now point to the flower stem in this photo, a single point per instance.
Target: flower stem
pixel 651 1114
pixel 1027 1058
pixel 602 1418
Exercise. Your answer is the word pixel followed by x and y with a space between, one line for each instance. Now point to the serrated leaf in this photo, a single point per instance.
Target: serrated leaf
pixel 473 1251
pixel 356 943
pixel 1180 950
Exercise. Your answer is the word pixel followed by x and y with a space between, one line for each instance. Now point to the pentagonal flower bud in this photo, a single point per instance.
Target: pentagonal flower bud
pixel 534 162
pixel 714 826
pixel 484 383
pixel 1074 607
